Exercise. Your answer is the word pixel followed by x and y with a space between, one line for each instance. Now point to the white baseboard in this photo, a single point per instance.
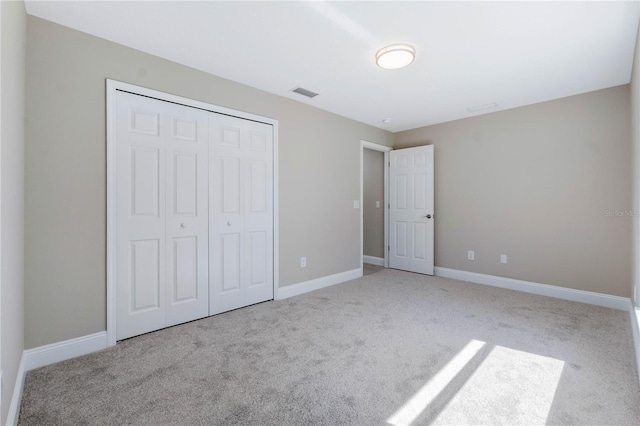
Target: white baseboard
pixel 599 299
pixel 50 354
pixel 635 328
pixel 307 286
pixel 61 351
pixel 371 260
pixel 16 398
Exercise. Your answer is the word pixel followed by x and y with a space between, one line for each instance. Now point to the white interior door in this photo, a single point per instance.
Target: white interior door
pixel 411 209
pixel 241 213
pixel 161 217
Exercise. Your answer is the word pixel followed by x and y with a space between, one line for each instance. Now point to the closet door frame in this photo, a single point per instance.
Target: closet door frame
pixel 112 88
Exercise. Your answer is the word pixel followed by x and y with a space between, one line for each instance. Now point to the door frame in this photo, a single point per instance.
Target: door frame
pixel 112 87
pixel 385 150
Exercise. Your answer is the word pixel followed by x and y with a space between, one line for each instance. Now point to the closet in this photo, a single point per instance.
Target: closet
pixel 193 216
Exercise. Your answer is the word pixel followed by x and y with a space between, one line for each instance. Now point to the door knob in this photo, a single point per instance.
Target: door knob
pixel 427 216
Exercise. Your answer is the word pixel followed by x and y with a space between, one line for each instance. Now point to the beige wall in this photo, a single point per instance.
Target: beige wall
pixel 66 174
pixel 536 183
pixel 373 190
pixel 635 142
pixel 13 36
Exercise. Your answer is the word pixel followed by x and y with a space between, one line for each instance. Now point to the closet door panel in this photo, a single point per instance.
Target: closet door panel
pixel 140 217
pixel 258 160
pixel 226 224
pixel 187 214
pixel 162 214
pixel 241 211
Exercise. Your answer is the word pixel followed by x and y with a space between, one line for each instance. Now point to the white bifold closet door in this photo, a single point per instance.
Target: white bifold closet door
pixel 162 221
pixel 241 212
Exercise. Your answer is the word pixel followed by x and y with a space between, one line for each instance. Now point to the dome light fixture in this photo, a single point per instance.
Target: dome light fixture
pixel 395 56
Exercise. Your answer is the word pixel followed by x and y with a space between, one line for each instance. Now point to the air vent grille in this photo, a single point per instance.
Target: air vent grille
pixel 304 92
pixel 483 107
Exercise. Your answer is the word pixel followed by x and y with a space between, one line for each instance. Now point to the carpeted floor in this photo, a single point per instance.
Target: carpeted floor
pixel 368 269
pixel 389 348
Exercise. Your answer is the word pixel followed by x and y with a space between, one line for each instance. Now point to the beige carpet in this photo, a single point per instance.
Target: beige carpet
pixel 368 269
pixel 389 348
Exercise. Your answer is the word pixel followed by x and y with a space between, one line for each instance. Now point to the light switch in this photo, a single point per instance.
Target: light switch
pixel 356 204
pixel 377 204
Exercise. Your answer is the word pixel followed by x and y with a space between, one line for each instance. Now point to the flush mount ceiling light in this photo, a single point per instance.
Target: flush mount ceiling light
pixel 395 56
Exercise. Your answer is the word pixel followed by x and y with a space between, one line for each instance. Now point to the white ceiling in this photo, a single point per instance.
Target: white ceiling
pixel 467 53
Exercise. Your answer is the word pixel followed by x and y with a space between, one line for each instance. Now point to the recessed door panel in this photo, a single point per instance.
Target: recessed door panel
pixel 401 192
pixel 185 178
pixel 230 262
pixel 145 275
pixel 258 258
pixel 258 142
pixel 185 269
pixel 258 186
pixel 401 239
pixel 419 192
pixel 184 129
pixel 230 137
pixel 420 240
pixel 145 181
pixel 230 185
pixel 144 122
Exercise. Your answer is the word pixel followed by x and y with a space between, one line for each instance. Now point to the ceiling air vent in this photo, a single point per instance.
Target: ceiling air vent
pixel 482 107
pixel 304 92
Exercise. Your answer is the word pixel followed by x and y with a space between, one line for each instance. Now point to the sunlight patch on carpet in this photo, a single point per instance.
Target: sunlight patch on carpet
pixel 508 384
pixel 421 400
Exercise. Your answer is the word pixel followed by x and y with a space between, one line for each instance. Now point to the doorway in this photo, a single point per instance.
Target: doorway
pixel 408 208
pixel 374 196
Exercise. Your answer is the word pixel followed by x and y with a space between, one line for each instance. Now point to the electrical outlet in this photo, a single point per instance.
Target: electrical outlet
pixel 503 258
pixel 471 255
pixel 303 262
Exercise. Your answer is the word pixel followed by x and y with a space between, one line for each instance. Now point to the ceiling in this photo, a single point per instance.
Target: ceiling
pixel 468 54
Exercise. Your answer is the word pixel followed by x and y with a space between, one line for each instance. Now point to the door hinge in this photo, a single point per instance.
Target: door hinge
pixel 388 248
